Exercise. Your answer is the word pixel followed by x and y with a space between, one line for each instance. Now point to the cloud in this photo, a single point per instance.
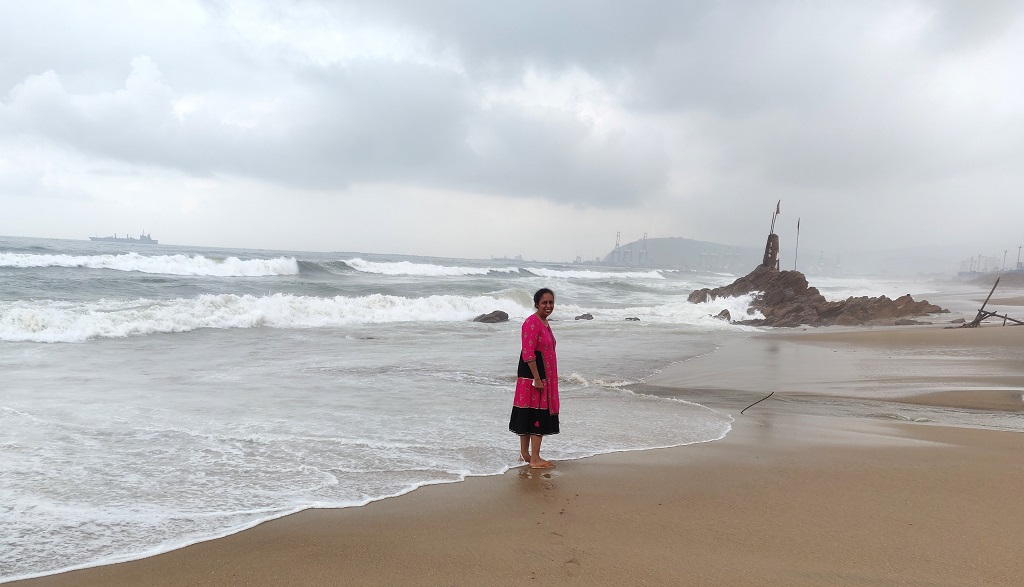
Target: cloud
pixel 691 115
pixel 365 121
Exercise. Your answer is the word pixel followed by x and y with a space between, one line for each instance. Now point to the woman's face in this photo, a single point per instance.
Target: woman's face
pixel 546 305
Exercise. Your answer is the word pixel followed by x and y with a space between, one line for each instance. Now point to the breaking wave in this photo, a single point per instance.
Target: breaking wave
pixel 60 321
pixel 57 321
pixel 422 269
pixel 196 265
pixel 588 274
pixel 432 270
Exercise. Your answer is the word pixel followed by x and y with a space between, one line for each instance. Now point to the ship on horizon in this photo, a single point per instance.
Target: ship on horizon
pixel 144 239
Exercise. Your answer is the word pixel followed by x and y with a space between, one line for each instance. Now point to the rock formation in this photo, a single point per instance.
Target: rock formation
pixel 492 318
pixel 785 299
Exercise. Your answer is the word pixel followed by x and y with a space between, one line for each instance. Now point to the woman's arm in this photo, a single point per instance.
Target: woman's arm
pixel 537 381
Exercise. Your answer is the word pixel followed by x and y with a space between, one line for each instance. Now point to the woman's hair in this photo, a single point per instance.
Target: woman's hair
pixel 540 293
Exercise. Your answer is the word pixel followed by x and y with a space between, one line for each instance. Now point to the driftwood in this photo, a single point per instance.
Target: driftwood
pixel 985 315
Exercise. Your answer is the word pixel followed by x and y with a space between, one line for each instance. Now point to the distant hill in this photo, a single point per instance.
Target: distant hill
pixel 685 253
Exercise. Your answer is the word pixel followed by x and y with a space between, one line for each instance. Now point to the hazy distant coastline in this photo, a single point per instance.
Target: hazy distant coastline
pixel 685 253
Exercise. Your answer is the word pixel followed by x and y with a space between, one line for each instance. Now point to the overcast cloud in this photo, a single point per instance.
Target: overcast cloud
pixel 537 128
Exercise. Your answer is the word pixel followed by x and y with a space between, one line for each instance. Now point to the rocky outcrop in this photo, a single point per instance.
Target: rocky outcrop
pixel 587 316
pixel 492 318
pixel 785 299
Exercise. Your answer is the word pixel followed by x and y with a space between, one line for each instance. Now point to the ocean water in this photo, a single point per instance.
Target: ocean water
pixel 157 396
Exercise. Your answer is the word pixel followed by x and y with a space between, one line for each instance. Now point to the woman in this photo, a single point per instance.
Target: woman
pixel 535 407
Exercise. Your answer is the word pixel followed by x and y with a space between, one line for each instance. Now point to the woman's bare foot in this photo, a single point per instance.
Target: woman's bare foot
pixel 541 464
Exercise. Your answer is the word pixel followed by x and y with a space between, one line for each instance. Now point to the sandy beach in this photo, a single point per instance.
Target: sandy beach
pixel 1010 301
pixel 885 456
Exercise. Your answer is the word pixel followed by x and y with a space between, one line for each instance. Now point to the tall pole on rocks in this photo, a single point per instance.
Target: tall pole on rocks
pixel 1004 259
pixel 777 212
pixel 796 257
pixel 1019 247
pixel 771 248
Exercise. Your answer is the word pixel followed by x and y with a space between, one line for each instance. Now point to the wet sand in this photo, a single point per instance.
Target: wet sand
pixel 1011 301
pixel 828 482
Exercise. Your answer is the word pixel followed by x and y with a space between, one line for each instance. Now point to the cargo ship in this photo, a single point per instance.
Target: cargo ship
pixel 143 239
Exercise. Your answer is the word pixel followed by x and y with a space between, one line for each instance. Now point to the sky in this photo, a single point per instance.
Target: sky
pixel 542 129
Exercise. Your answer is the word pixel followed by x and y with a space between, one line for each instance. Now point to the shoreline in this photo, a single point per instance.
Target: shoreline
pixel 785 466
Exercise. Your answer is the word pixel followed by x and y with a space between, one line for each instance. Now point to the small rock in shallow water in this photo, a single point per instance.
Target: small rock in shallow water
pixel 493 317
pixel 908 322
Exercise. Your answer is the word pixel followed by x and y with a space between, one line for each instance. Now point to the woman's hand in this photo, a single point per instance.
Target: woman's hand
pixel 538 383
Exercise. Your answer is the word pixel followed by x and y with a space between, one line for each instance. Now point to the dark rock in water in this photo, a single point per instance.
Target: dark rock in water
pixel 957 321
pixel 493 317
pixel 785 299
pixel 908 322
pixel 633 319
pixel 584 317
pixel 724 315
